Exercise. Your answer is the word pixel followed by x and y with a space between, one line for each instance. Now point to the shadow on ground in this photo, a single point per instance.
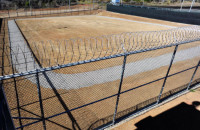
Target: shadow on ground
pixel 180 117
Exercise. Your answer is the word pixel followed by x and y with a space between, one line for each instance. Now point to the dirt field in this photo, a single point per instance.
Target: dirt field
pixel 39 33
pixel 59 100
pixel 78 27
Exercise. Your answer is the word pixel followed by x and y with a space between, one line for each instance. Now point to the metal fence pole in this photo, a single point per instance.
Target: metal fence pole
pixel 8 13
pixel 90 10
pixel 78 10
pixel 6 122
pixel 120 86
pixel 193 75
pixel 193 1
pixel 69 4
pixel 92 4
pixel 40 100
pixel 170 65
pixel 50 10
pixel 84 10
pixel 181 5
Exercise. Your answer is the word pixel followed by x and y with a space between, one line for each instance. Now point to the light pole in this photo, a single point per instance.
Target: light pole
pixel 192 5
pixel 182 5
pixel 30 6
pixel 92 4
pixel 69 5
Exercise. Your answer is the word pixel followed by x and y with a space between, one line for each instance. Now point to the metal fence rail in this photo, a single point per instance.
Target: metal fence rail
pixel 97 81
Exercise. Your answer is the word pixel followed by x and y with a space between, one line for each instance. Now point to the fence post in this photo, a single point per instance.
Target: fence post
pixel 90 10
pixel 78 10
pixel 8 13
pixel 84 10
pixel 40 100
pixel 120 86
pixel 6 121
pixel 193 75
pixel 170 65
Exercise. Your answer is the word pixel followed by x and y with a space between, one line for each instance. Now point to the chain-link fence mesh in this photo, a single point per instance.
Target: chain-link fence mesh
pixel 139 84
pixel 175 15
pixel 196 78
pixel 87 100
pixel 187 56
pixel 23 99
pixel 118 73
pixel 33 8
pixel 23 56
pixel 185 61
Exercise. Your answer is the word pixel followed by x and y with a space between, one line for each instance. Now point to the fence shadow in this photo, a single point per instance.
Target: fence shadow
pixel 182 116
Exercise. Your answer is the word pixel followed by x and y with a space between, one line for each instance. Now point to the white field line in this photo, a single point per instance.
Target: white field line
pixel 86 79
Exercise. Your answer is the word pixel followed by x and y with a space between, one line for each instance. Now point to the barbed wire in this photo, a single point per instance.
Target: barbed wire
pixel 59 52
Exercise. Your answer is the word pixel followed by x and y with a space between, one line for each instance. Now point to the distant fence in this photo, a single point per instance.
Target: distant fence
pixel 103 80
pixel 168 14
pixel 9 12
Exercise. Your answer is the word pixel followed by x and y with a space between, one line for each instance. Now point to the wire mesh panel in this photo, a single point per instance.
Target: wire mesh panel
pixel 69 88
pixel 187 56
pixel 176 83
pixel 22 95
pixel 143 79
pixel 88 117
pixel 75 84
pixel 182 69
pixel 38 9
pixel 196 76
pixel 169 14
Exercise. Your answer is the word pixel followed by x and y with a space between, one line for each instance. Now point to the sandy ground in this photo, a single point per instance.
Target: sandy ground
pixel 38 33
pixel 143 19
pixel 78 27
pixel 100 76
pixel 98 113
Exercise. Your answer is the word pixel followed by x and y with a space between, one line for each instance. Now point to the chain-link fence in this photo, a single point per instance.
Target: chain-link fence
pixel 169 14
pixel 50 7
pixel 95 82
